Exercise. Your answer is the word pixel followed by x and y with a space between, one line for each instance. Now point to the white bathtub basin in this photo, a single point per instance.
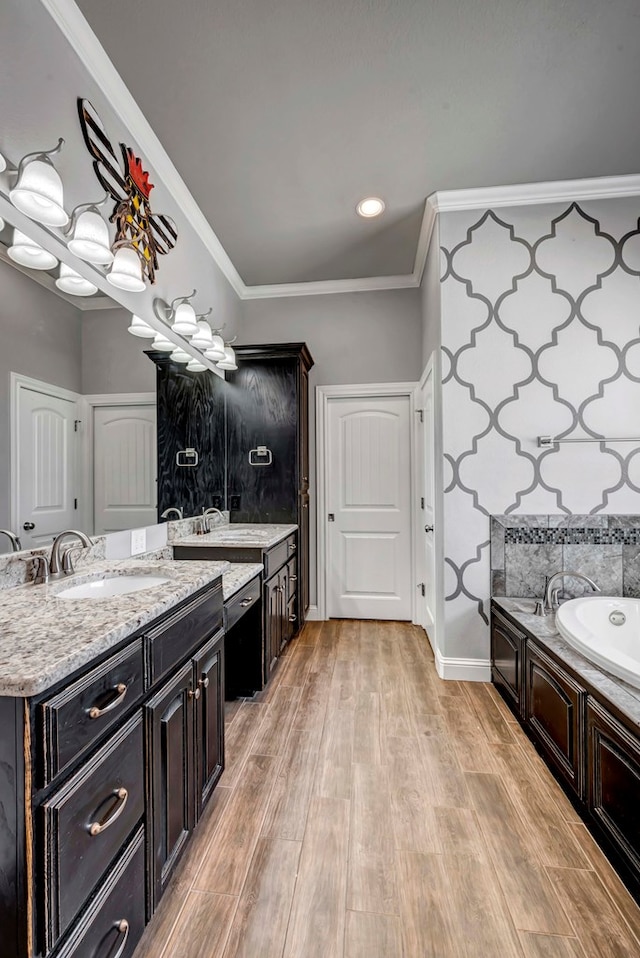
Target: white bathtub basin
pixel 588 624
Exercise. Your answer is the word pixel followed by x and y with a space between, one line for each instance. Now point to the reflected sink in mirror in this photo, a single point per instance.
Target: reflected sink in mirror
pixel 110 586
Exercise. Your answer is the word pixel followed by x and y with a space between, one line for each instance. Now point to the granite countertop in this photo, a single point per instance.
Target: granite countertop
pixel 237 576
pixel 241 535
pixel 623 695
pixel 44 638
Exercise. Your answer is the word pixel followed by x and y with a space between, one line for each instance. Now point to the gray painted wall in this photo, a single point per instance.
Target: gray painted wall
pixel 113 361
pixel 431 302
pixel 40 338
pixel 353 338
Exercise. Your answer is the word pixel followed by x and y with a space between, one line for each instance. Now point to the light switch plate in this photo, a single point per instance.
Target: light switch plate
pixel 138 541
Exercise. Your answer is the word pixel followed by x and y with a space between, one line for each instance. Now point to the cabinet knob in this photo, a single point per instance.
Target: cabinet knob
pixel 194 694
pixel 204 682
pixel 292 618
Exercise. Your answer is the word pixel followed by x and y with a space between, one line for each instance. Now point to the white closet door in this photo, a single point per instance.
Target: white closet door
pixel 369 486
pixel 125 467
pixel 46 467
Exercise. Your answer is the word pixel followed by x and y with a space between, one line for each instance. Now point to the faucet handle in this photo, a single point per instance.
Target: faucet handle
pixel 41 571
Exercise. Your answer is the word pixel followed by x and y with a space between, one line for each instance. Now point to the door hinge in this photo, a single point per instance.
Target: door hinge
pixel 76 423
pixel 422 502
pixel 75 503
pixel 421 586
pixel 420 412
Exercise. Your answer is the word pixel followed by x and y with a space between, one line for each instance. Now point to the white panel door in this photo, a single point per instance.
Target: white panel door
pixel 369 486
pixel 125 467
pixel 46 479
pixel 429 466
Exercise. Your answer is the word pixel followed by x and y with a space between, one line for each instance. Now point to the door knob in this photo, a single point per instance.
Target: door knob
pixel 428 528
pixel 28 526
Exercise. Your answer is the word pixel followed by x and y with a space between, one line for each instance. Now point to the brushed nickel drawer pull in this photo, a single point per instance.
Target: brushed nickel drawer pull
pixel 293 578
pixel 194 694
pixel 292 618
pixel 94 712
pixel 96 828
pixel 247 601
pixel 204 682
pixel 122 927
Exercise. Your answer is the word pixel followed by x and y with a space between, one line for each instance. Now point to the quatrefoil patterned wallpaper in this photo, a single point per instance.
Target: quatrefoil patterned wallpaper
pixel 540 336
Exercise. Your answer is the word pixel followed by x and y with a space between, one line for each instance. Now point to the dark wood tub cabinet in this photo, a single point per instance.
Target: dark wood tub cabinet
pixel 102 780
pixel 589 744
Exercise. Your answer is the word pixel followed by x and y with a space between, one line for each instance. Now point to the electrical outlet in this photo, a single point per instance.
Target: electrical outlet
pixel 234 502
pixel 138 541
pixel 216 502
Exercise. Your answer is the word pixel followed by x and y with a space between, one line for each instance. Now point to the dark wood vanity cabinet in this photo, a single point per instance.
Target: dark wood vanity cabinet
pixel 102 780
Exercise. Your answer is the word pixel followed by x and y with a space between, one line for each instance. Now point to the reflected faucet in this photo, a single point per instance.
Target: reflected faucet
pixel 170 510
pixel 206 516
pixel 57 569
pixel 16 545
pixel 550 603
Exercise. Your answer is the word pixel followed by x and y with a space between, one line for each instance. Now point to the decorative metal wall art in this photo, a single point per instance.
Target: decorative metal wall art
pixel 127 182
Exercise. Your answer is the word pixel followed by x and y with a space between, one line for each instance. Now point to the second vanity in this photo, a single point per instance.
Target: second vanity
pixel 111 743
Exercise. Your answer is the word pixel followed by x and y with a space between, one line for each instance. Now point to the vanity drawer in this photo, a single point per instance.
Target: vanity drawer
pixel 175 637
pixel 86 823
pixel 275 558
pixel 74 718
pixel 240 603
pixel 114 922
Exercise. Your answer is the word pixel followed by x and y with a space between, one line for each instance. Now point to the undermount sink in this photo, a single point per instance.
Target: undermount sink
pixel 111 586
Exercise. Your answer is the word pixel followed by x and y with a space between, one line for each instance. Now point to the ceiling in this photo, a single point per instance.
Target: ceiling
pixel 281 114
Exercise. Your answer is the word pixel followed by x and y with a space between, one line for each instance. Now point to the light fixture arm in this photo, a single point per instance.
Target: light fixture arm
pixel 231 341
pixel 216 332
pixel 164 310
pixel 37 155
pixel 204 315
pixel 180 299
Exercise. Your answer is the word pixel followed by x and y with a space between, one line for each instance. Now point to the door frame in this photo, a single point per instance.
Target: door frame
pixel 324 395
pixel 90 404
pixel 17 383
pixel 432 367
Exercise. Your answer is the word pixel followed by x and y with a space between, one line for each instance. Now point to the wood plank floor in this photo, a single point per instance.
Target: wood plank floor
pixel 370 810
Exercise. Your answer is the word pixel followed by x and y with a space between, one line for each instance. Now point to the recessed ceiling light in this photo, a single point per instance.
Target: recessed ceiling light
pixel 370 206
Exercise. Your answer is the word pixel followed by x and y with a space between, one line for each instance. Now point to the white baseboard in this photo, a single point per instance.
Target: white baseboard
pixel 463 670
pixel 312 614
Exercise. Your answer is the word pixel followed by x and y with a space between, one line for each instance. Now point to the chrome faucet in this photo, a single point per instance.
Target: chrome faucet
pixel 170 510
pixel 206 516
pixel 60 563
pixel 16 545
pixel 550 602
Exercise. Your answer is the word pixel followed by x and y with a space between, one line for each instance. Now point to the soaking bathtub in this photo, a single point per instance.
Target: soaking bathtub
pixel 606 630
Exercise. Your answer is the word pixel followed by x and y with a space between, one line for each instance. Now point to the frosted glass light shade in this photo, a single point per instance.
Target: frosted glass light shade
pixel 184 320
pixel 126 272
pixel 216 349
pixel 39 194
pixel 180 356
pixel 27 252
pixel 162 344
pixel 90 240
pixel 139 328
pixel 229 361
pixel 71 282
pixel 2 224
pixel 195 367
pixel 204 337
pixel 3 163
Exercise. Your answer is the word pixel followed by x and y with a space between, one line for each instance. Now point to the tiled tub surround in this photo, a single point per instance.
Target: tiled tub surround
pixel 525 549
pixel 614 690
pixel 44 638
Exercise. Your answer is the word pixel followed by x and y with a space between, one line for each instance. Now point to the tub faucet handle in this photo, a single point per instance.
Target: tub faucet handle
pixel 540 607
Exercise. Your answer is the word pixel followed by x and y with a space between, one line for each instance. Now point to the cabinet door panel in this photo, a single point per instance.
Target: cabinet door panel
pixel 554 711
pixel 613 792
pixel 507 646
pixel 170 741
pixel 87 821
pixel 209 666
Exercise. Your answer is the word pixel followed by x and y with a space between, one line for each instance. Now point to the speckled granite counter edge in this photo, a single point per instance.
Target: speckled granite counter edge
pixel 237 576
pixel 622 695
pixel 212 539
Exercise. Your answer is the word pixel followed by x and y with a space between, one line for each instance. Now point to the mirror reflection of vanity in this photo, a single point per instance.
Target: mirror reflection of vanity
pixel 77 414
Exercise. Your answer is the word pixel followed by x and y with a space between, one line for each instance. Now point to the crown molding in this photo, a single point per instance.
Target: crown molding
pixel 328 286
pixel 68 17
pixel 532 194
